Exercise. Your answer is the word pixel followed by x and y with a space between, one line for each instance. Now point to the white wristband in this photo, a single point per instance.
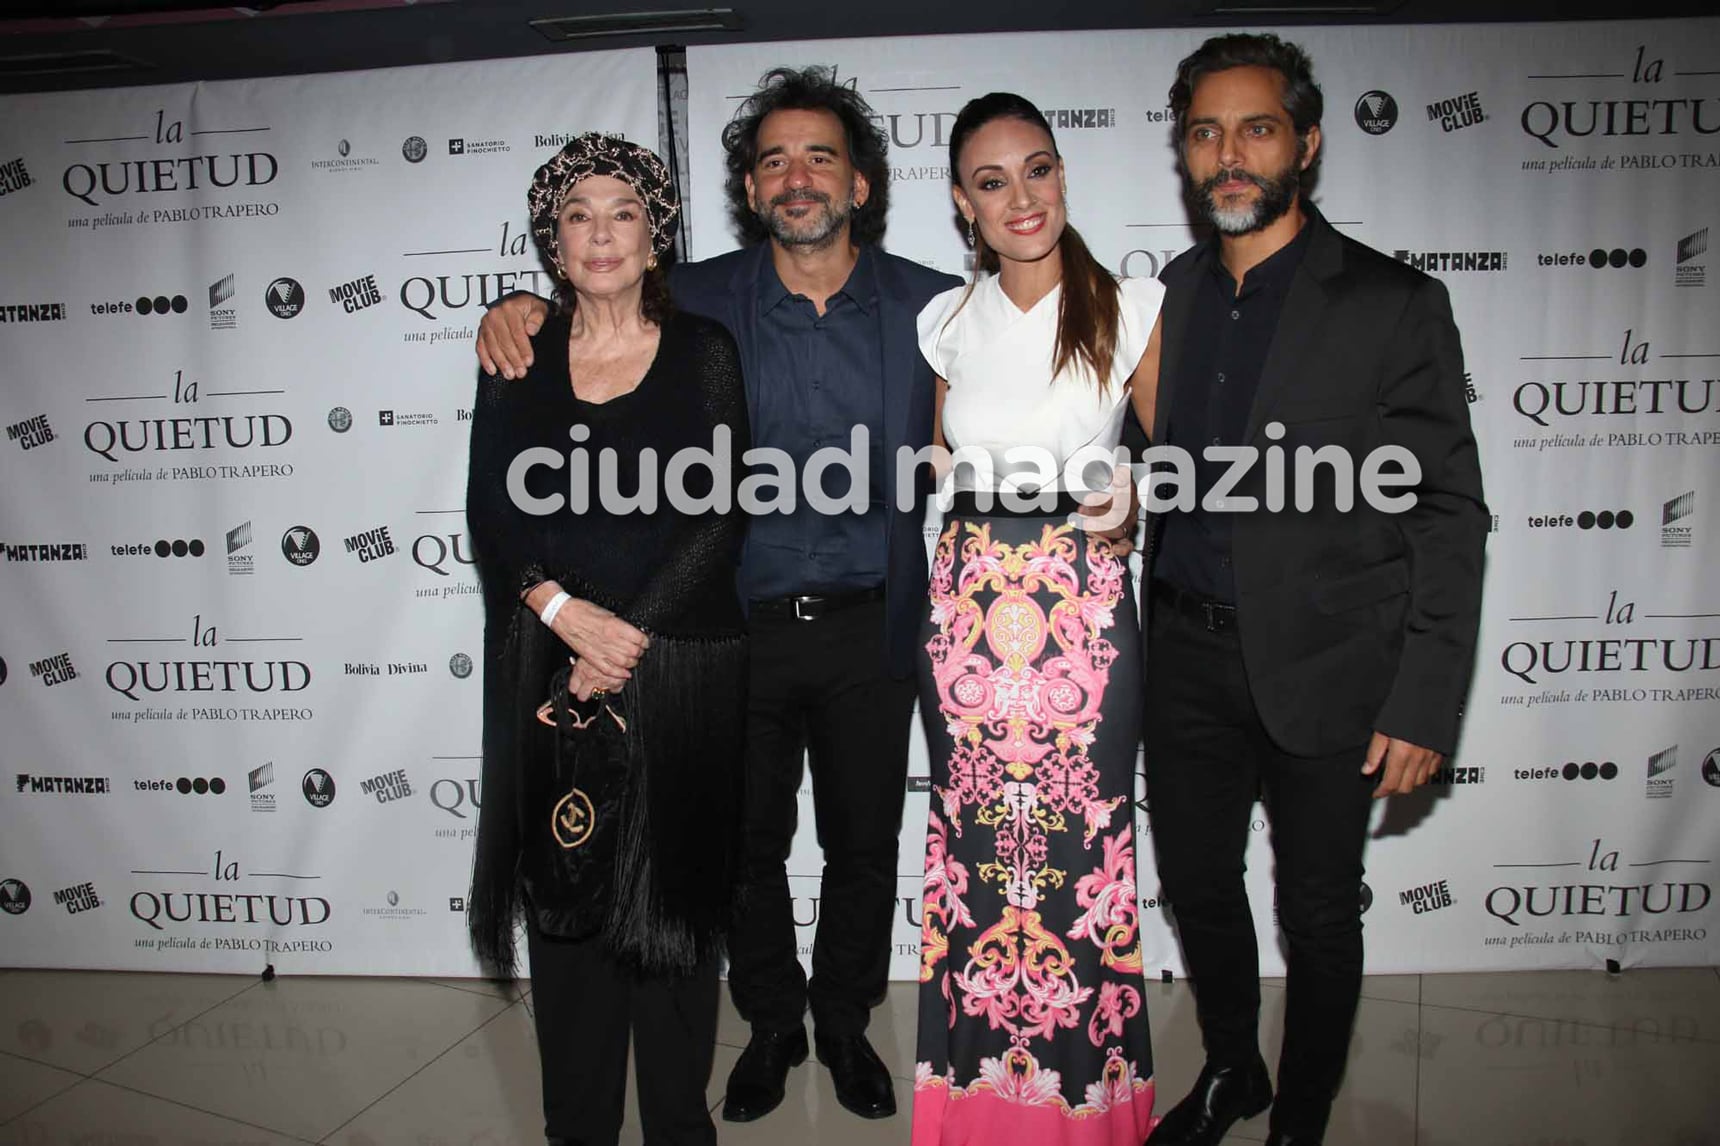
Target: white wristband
pixel 554 607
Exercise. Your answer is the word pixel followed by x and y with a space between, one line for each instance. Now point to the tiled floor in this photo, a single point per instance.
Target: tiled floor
pixel 1532 1059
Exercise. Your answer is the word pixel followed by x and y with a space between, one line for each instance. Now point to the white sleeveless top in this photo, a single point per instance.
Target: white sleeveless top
pixel 996 361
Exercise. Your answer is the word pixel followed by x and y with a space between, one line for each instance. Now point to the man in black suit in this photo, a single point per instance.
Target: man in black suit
pixel 1318 659
pixel 824 320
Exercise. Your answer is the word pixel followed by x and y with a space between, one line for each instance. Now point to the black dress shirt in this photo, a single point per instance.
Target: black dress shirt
pixel 819 376
pixel 1229 333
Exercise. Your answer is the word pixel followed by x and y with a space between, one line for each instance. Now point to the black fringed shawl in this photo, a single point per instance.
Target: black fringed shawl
pixel 670 573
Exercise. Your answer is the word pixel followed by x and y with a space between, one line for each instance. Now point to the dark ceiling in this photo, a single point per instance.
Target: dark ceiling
pixel 125 42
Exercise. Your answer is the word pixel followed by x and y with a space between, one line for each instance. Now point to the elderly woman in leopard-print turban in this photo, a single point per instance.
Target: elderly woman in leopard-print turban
pixel 610 810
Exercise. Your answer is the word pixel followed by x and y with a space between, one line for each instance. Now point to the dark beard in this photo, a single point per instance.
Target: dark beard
pixel 822 235
pixel 1278 193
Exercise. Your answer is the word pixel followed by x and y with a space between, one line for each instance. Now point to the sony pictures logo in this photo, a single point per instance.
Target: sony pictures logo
pixel 1376 112
pixel 260 778
pixel 1672 534
pixel 239 563
pixel 1690 270
pixel 318 787
pixel 222 317
pixel 1660 783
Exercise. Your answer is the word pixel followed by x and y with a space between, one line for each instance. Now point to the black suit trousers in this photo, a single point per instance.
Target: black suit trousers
pixel 820 691
pixel 1208 757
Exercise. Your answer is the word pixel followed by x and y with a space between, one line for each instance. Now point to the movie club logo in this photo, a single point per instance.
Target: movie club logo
pixel 31 432
pixel 54 670
pixel 63 551
pixel 240 563
pixel 284 298
pixel 1711 769
pixel 388 787
pixel 1673 535
pixel 78 898
pixel 222 317
pixel 179 547
pixel 434 297
pixel 14 176
pixel 1688 271
pixel 347 161
pixel 356 294
pixel 477 146
pixel 64 785
pixel 1659 783
pixel 246 909
pixel 1603 894
pixel 1570 771
pixel 371 545
pixel 1451 262
pixel 259 779
pixel 340 419
pixel 102 182
pixel 33 312
pixel 318 787
pixel 133 679
pixel 1429 897
pixel 1556 123
pixel 14 896
pixel 1376 112
pixel 394 910
pixel 1559 403
pixel 300 546
pixel 1599 259
pixel 1457 112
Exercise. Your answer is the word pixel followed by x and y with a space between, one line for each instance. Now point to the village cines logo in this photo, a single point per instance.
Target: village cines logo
pixel 78 898
pixel 318 787
pixel 65 785
pixel 371 545
pixel 1690 270
pixel 259 779
pixel 1659 783
pixel 299 545
pixel 240 563
pixel 1448 262
pixel 14 176
pixel 1711 769
pixel 14 896
pixel 31 432
pixel 1673 535
pixel 284 298
pixel 1376 112
pixel 222 317
pixel 54 670
pixel 1457 112
pixel 33 312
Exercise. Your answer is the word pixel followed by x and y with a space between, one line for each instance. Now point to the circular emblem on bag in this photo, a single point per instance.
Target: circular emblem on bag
pixel 573 819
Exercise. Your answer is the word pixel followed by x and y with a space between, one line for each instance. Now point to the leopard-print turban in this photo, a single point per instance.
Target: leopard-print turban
pixel 597 154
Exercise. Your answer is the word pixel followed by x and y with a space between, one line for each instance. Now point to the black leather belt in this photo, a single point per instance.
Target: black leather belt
pixel 1214 616
pixel 811 606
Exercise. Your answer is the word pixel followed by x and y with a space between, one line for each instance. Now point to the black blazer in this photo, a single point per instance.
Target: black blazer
pixel 1357 621
pixel 726 289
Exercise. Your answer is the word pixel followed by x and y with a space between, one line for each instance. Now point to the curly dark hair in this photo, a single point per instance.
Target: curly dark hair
pixel 808 89
pixel 1302 99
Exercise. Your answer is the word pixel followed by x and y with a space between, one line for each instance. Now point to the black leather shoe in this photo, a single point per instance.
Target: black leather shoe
pixel 1220 1097
pixel 862 1081
pixel 1287 1138
pixel 756 1084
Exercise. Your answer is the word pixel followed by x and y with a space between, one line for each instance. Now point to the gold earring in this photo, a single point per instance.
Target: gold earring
pixel 651 262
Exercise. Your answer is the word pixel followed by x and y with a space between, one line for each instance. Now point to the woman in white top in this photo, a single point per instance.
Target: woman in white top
pixel 1033 1023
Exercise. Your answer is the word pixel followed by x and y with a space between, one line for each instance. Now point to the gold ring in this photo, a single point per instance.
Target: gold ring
pixel 599 693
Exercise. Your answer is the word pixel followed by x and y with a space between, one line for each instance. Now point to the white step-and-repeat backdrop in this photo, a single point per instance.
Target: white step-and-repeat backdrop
pixel 238 620
pixel 1560 180
pixel 240 623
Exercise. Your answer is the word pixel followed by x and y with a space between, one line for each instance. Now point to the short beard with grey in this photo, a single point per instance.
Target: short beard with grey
pixel 1277 195
pixel 826 231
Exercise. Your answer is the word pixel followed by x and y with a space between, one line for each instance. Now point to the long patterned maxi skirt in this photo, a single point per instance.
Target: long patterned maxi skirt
pixel 1033 1020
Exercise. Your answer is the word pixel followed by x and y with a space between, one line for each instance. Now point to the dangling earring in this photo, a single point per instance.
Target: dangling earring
pixel 651 261
pixel 972 240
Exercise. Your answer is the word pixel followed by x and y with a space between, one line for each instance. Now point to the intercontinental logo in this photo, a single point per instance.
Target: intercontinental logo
pixel 345 160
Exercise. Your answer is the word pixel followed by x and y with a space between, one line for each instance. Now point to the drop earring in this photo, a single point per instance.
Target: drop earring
pixel 971 237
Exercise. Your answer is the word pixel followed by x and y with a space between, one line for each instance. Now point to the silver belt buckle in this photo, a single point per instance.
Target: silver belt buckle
pixel 798 615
